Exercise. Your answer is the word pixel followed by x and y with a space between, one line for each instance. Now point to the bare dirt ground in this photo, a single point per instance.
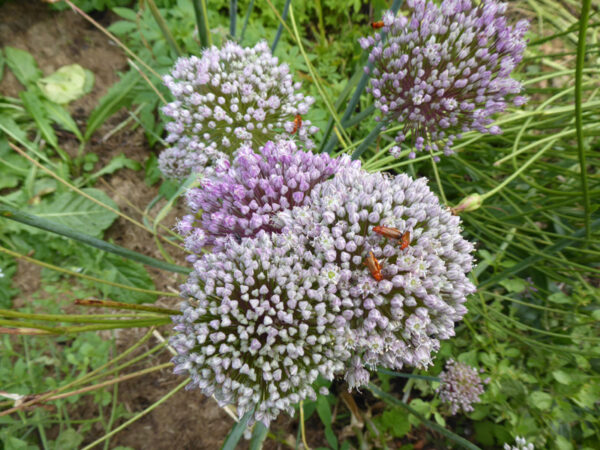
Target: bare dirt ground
pixel 188 420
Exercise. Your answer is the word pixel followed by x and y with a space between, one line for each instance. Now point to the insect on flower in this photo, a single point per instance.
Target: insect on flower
pixel 297 123
pixel 377 25
pixel 374 266
pixel 394 233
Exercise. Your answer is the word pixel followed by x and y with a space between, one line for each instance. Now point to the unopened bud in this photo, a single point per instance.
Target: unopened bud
pixel 470 203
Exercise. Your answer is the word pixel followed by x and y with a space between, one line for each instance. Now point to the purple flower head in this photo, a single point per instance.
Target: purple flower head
pixel 445 69
pixel 399 319
pixel 242 198
pixel 520 444
pixel 258 329
pixel 227 98
pixel 460 386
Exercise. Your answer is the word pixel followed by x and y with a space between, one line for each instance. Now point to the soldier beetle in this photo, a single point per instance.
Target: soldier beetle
pixel 297 123
pixel 374 266
pixel 377 25
pixel 394 233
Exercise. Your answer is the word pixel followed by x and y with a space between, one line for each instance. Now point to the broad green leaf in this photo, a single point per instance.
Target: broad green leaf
pixel 324 412
pixel 125 13
pixel 396 421
pixel 118 96
pixel 67 84
pixel 259 434
pixel 77 212
pixel 121 27
pixel 541 400
pixel 514 285
pixel 23 65
pixel 35 108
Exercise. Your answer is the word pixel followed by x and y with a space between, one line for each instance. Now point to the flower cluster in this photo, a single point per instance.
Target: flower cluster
pixel 313 274
pixel 258 329
pixel 445 69
pixel 521 444
pixel 460 386
pixel 393 303
pixel 242 197
pixel 226 98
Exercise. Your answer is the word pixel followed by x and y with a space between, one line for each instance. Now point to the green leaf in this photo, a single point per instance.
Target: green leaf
pixel 560 298
pixel 118 96
pixel 259 434
pixel 23 65
pixel 121 27
pixel 2 62
pixel 514 285
pixel 34 107
pixel 118 162
pixel 125 13
pixel 75 211
pixel 396 421
pixel 562 443
pixel 237 431
pixel 127 272
pixel 541 400
pixel 68 439
pixel 59 115
pixel 324 412
pixel 67 84
pixel 562 377
pixel 153 174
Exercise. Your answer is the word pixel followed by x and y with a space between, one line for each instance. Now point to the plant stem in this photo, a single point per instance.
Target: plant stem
pixel 202 23
pixel 10 213
pixel 368 140
pixel 282 19
pixel 583 23
pixel 164 28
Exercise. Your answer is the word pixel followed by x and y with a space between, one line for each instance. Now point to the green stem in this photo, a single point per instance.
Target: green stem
pixel 437 178
pixel 70 318
pixel 286 7
pixel 164 28
pixel 246 18
pixel 202 23
pixel 407 375
pixel 583 21
pixel 11 213
pixel 232 17
pixel 85 277
pixel 127 306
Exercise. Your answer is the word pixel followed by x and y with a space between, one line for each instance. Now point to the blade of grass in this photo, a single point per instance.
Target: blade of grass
pixel 282 18
pixel 8 212
pixel 525 263
pixel 246 18
pixel 583 24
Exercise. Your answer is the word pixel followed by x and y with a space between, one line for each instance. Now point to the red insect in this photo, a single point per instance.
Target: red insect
pixel 394 233
pixel 374 266
pixel 297 123
pixel 377 25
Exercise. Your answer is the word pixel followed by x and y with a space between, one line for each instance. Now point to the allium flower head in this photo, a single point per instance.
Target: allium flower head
pixel 445 69
pixel 226 98
pixel 520 444
pixel 399 319
pixel 460 386
pixel 242 197
pixel 258 328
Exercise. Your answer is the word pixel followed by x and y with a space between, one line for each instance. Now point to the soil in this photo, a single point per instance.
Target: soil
pixel 188 420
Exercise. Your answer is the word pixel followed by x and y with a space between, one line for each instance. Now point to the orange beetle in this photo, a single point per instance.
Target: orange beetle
pixel 405 241
pixel 297 123
pixel 377 25
pixel 374 266
pixel 394 233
